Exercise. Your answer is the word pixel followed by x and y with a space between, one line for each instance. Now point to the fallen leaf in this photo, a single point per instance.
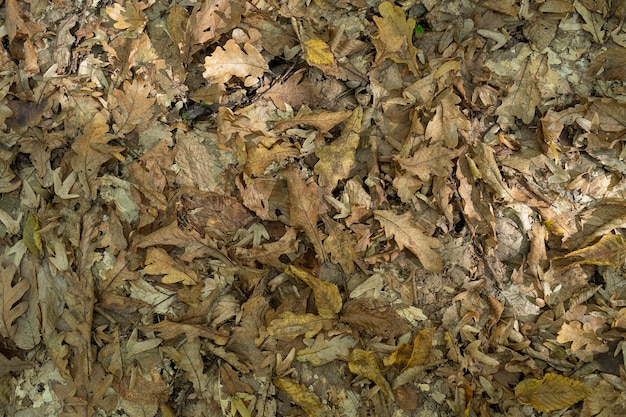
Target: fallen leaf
pixel 337 159
pixel 407 233
pixel 326 294
pixel 247 64
pixel 552 392
pixel 303 398
pixel 373 317
pixel 582 335
pixel 323 351
pixel 10 295
pixel 364 363
pixel 158 262
pixel 290 325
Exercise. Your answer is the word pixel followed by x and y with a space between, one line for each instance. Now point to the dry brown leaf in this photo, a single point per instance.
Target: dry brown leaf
pixel 395 38
pixel 323 351
pixel 323 121
pixel 129 16
pixel 551 393
pixel 170 329
pixel 407 233
pixel 189 359
pixel 269 253
pixel 292 92
pixel 373 317
pixel 337 158
pixel 247 64
pixel 289 325
pixel 444 127
pixel 303 398
pixel 582 335
pixel 91 151
pixel 133 107
pixel 326 294
pixel 430 160
pixel 10 295
pixel 364 363
pixel 260 158
pixel 340 244
pixel 304 204
pixel 158 262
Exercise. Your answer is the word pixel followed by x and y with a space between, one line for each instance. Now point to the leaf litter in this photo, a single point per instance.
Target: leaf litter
pixel 312 208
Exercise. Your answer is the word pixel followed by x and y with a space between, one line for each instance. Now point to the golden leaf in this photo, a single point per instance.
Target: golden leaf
pixel 31 237
pixel 318 54
pixel 363 363
pixel 552 392
pixel 158 262
pixel 303 398
pixel 421 348
pixel 407 233
pixel 337 159
pixel 327 296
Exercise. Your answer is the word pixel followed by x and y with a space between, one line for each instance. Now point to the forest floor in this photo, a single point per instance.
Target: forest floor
pixel 312 208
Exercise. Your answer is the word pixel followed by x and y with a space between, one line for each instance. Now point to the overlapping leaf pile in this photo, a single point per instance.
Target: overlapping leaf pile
pixel 313 208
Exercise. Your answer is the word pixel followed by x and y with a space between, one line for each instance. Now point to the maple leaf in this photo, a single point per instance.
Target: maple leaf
pixel 582 336
pixel 231 61
pixel 337 158
pixel 158 262
pixel 10 295
pixel 134 107
pixel 407 233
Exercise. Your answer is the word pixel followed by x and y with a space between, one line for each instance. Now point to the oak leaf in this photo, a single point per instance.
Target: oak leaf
pixel 337 158
pixel 129 16
pixel 291 92
pixel 10 295
pixel 323 121
pixel 340 244
pixel 364 363
pixel 158 262
pixel 134 107
pixel 231 61
pixel 395 38
pixel 326 294
pixel 551 393
pixel 408 233
pixel 582 335
pixel 434 159
pixel 448 121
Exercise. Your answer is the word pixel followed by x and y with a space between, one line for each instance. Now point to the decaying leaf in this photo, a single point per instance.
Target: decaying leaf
pixel 31 236
pixel 610 250
pixel 364 363
pixel 323 351
pixel 373 317
pixel 407 233
pixel 552 392
pixel 289 325
pixel 582 335
pixel 303 398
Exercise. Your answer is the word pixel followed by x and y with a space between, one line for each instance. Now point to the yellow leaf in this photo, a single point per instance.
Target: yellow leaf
pixel 327 296
pixel 421 348
pixel 31 237
pixel 552 392
pixel 317 52
pixel 158 262
pixel 303 398
pixel 363 363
